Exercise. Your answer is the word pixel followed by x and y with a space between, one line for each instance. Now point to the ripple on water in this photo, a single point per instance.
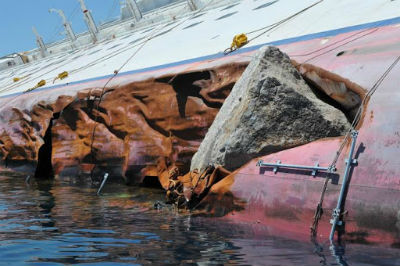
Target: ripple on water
pixel 64 223
pixel 96 231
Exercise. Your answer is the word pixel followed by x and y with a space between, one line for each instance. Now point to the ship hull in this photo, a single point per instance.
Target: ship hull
pixel 286 201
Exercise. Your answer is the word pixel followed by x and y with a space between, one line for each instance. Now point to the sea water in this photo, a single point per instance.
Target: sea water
pixel 65 222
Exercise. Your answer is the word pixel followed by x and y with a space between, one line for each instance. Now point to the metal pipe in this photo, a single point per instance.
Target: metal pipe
pixel 102 183
pixel 349 163
pixel 40 43
pixel 89 21
pixel 192 5
pixel 293 166
pixel 134 9
pixel 314 169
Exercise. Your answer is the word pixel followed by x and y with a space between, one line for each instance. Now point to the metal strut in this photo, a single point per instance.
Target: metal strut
pixel 68 29
pixel 102 183
pixel 134 9
pixel 349 163
pixel 87 15
pixel 314 169
pixel 40 43
pixel 192 5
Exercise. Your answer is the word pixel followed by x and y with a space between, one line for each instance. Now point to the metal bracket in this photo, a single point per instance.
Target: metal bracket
pixel 276 168
pixel 336 216
pixel 314 169
pixel 353 161
pixel 102 183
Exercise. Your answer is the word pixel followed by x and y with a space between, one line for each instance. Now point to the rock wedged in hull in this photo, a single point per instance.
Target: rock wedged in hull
pixel 270 108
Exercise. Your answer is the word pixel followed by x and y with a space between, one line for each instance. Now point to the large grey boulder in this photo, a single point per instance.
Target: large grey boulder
pixel 271 108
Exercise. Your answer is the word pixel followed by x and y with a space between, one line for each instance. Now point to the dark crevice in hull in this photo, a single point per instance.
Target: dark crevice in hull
pixel 44 168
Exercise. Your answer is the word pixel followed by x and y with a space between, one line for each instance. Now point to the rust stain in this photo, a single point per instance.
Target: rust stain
pixel 146 128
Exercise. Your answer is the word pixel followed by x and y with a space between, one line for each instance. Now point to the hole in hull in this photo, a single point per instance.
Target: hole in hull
pixel 185 86
pixel 151 182
pixel 44 168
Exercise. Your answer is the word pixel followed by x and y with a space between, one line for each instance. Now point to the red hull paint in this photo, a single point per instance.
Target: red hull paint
pixel 285 202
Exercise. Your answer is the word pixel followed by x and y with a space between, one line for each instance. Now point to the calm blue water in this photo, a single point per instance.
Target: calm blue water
pixel 64 222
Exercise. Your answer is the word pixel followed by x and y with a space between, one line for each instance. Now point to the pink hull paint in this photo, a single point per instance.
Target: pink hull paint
pixel 285 202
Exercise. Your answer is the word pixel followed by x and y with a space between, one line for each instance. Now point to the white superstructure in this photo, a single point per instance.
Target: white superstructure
pixel 161 38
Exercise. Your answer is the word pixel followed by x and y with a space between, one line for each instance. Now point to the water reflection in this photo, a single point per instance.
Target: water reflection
pixel 337 251
pixel 319 250
pixel 46 203
pixel 65 222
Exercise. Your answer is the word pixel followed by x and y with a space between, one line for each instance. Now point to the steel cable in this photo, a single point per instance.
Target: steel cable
pixel 356 120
